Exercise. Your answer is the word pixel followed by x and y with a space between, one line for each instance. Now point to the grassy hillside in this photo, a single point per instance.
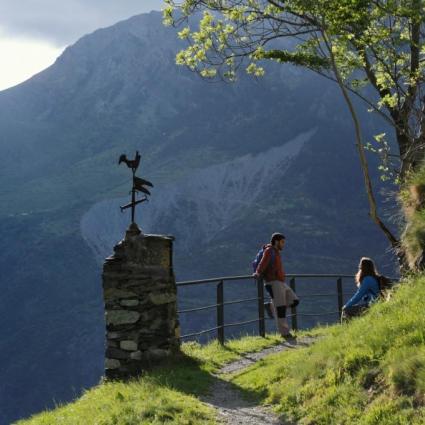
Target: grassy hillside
pixel 167 395
pixel 371 371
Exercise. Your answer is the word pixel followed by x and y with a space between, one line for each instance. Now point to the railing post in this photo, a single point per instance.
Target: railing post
pixel 261 321
pixel 293 308
pixel 220 312
pixel 340 296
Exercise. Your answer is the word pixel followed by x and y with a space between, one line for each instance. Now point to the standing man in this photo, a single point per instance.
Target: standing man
pixel 271 269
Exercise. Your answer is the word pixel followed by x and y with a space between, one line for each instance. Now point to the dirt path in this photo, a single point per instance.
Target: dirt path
pixel 232 407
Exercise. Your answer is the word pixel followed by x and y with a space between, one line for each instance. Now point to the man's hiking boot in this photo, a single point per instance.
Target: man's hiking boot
pixel 289 337
pixel 269 310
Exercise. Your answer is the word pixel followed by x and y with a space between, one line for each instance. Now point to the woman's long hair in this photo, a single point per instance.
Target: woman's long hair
pixel 366 268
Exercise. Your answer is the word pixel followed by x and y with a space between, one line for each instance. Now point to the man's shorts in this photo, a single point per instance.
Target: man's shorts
pixel 281 293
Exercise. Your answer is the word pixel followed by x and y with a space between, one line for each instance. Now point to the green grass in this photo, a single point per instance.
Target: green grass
pixel 165 395
pixel 213 355
pixel 370 371
pixel 139 402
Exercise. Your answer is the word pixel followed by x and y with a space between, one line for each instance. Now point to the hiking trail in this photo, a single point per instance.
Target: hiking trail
pixel 232 407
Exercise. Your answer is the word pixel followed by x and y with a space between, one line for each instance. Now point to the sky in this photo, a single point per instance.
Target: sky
pixel 33 33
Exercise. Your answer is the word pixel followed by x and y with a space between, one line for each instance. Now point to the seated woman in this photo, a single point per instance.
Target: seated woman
pixel 367 292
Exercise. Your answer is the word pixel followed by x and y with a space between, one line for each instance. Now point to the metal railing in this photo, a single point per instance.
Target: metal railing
pixel 261 320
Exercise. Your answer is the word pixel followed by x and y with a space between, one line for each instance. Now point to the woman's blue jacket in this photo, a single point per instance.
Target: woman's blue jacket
pixel 368 291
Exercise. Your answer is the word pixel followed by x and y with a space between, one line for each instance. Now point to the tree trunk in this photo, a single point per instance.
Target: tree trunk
pixel 412 153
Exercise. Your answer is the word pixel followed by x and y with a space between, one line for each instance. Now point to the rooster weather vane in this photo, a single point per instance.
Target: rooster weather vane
pixel 138 184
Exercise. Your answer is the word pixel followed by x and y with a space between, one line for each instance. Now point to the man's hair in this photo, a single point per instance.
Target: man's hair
pixel 276 237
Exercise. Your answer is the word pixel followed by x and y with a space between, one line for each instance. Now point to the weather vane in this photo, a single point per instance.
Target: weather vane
pixel 138 184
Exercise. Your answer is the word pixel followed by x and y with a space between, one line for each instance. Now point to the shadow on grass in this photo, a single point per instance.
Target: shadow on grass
pixel 188 375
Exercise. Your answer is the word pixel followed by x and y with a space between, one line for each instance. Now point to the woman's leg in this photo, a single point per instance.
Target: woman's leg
pixel 354 311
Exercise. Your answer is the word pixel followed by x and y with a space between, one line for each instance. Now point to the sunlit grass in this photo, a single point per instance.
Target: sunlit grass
pixel 166 395
pixel 213 355
pixel 144 401
pixel 370 371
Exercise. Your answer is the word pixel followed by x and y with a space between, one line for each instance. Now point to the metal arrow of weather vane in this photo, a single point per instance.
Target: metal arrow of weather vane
pixel 138 184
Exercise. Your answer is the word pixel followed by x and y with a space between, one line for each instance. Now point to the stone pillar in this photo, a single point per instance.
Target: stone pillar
pixel 140 297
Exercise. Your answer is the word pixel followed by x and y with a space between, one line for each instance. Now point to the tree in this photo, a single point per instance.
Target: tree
pixel 359 44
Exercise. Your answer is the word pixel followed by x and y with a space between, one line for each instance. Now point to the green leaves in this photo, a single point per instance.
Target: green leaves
pixel 381 147
pixel 376 43
pixel 254 69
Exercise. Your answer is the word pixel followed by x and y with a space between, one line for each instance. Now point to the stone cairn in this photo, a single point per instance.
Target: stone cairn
pixel 140 297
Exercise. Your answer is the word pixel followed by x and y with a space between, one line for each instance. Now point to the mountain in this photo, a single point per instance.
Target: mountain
pixel 218 196
pixel 230 163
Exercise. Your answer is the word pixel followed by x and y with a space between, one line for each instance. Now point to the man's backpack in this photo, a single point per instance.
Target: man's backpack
pixel 259 257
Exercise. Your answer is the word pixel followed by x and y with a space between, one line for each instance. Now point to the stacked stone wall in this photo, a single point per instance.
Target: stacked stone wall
pixel 140 304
